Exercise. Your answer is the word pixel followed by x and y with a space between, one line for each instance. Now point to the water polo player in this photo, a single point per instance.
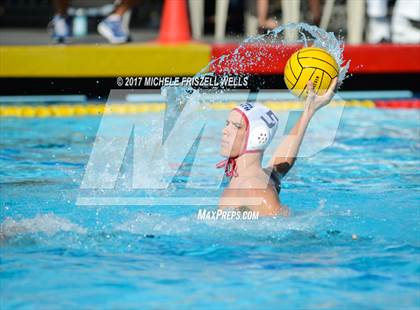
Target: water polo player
pixel 249 129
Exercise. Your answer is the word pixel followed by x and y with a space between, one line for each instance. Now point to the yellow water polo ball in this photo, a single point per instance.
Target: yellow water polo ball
pixel 310 63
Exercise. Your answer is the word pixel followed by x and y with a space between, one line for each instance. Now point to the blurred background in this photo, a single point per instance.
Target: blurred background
pixel 373 21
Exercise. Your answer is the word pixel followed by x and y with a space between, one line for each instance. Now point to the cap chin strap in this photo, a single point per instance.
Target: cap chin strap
pixel 230 164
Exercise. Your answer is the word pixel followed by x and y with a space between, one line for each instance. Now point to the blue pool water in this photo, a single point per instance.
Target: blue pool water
pixel 353 240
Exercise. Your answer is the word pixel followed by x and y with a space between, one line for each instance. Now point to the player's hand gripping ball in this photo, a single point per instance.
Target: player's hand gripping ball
pixel 310 63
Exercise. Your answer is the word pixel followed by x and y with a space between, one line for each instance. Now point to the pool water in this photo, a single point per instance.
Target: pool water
pixel 352 242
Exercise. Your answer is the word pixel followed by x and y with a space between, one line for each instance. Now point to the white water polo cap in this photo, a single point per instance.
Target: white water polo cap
pixel 261 126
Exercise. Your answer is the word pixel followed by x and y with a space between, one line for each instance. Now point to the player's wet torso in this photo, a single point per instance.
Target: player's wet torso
pixel 253 193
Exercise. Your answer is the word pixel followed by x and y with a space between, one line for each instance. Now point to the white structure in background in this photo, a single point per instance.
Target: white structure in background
pixel 402 29
pixel 379 29
pixel 291 13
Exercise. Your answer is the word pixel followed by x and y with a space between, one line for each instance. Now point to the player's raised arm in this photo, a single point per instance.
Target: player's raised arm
pixel 286 153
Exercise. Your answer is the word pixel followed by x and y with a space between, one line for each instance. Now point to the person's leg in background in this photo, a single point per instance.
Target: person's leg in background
pixel 112 27
pixel 262 14
pixel 269 23
pixel 59 24
pixel 60 7
pixel 406 21
pixel 315 8
pixel 378 27
pixel 124 6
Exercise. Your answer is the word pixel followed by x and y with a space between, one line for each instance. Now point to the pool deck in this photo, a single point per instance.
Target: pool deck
pixel 91 56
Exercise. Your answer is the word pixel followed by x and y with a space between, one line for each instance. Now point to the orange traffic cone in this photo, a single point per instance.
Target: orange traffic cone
pixel 174 27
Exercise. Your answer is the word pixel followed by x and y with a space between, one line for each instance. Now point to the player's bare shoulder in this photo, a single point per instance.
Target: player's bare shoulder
pixel 253 194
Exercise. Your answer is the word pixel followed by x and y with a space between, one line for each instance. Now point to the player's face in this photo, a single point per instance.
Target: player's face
pixel 233 135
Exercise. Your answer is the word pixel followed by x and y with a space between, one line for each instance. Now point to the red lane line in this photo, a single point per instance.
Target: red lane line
pixel 398 104
pixel 271 59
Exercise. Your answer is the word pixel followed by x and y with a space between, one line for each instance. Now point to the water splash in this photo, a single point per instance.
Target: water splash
pixel 254 51
pixel 50 224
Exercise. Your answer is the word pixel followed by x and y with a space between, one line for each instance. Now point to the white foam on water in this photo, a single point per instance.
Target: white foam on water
pixel 49 224
pixel 160 224
pixel 171 225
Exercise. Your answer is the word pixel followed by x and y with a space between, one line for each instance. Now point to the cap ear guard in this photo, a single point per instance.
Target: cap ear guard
pixel 259 138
